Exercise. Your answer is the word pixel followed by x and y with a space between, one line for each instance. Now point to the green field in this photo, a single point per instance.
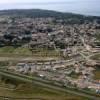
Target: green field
pixel 96 57
pixel 35 91
pixel 75 75
pixel 20 51
pixel 45 85
pixel 97 74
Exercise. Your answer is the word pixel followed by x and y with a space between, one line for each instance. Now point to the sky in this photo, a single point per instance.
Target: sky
pixel 87 7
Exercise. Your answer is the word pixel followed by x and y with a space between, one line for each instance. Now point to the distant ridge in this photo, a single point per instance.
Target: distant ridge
pixel 35 11
pixel 38 13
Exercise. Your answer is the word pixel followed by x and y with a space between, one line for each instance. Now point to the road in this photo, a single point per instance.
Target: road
pixel 40 82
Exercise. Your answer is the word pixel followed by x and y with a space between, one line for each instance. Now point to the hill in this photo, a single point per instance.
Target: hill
pixel 37 13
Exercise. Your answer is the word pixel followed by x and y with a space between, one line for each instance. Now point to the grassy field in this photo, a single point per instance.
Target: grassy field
pixel 75 75
pixel 96 57
pixel 31 90
pixel 14 54
pixel 97 74
pixel 34 91
pixel 20 51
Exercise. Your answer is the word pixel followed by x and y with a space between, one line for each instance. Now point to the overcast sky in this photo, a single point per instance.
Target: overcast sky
pixel 24 1
pixel 88 7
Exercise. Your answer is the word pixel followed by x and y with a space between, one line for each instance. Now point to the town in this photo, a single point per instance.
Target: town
pixel 68 55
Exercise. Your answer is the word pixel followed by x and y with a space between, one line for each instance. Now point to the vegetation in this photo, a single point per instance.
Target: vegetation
pixel 27 79
pixel 75 75
pixel 20 51
pixel 4 63
pixel 96 57
pixel 35 91
pixel 97 73
pixel 37 13
pixel 97 36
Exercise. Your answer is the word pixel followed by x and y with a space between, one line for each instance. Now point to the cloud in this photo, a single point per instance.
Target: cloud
pixel 33 1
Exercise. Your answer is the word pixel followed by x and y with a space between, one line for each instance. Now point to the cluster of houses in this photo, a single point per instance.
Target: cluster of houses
pixel 61 71
pixel 43 32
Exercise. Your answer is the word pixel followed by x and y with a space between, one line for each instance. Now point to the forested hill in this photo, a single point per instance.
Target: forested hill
pixel 37 13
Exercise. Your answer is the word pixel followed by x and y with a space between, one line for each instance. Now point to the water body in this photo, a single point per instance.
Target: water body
pixel 86 7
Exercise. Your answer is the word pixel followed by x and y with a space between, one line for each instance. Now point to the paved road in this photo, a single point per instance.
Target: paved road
pixel 44 84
